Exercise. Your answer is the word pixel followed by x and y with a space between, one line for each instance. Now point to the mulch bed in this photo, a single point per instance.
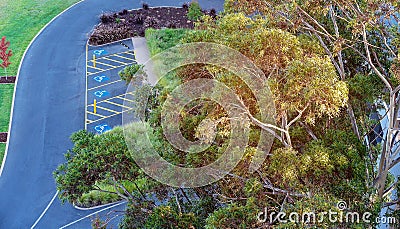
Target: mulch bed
pixel 9 79
pixel 3 137
pixel 130 23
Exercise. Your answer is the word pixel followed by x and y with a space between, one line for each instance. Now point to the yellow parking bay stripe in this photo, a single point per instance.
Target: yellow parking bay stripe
pixel 115 97
pixel 123 98
pixel 104 85
pixel 98 62
pixel 92 73
pixel 106 109
pixel 96 114
pixel 124 57
pixel 117 104
pixel 124 63
pixel 109 116
pixel 94 67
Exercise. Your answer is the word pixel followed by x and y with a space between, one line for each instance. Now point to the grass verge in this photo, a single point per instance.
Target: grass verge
pixel 2 150
pixel 6 94
pixel 21 20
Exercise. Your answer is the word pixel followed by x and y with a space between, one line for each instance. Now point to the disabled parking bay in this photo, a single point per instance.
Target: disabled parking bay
pixel 105 91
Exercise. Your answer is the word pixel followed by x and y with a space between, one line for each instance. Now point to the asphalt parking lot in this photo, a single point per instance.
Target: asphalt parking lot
pixel 105 91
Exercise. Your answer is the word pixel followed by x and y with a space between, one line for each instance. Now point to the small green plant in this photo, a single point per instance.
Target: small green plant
pixel 129 72
pixel 194 12
pixel 117 20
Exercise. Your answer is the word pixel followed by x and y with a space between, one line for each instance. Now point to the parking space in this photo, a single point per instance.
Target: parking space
pixel 105 91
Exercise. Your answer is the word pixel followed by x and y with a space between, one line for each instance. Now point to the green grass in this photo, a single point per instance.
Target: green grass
pixel 2 150
pixel 6 94
pixel 21 20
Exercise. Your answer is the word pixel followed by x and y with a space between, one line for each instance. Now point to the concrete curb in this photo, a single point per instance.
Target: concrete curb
pixel 97 207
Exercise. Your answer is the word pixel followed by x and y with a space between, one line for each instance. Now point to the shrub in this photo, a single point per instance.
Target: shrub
pixel 145 6
pixel 129 72
pixel 151 22
pixel 213 13
pixel 139 19
pixel 194 12
pixel 106 18
pixel 185 5
pixel 108 33
pixel 123 12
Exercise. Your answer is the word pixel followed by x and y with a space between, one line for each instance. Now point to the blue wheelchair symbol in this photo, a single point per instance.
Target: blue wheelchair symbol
pixel 101 93
pixel 101 79
pixel 99 52
pixel 102 128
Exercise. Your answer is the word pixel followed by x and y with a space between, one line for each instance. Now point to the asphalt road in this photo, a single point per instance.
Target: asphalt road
pixel 49 107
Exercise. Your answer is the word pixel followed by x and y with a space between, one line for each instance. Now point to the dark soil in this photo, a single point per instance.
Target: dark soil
pixel 130 23
pixel 9 79
pixel 3 137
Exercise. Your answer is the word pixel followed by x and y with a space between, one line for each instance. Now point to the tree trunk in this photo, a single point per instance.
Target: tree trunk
pixel 353 121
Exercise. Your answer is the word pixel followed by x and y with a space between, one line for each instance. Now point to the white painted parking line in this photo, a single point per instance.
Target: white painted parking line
pixel 45 210
pixel 94 213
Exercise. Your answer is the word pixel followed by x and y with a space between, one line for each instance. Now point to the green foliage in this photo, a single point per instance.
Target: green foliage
pixel 160 40
pixel 2 151
pixel 17 15
pixel 301 77
pixel 194 12
pixel 6 96
pixel 128 73
pixel 234 216
pixel 364 89
pixel 188 215
pixel 136 215
pixel 93 159
pixel 164 217
pixel 104 194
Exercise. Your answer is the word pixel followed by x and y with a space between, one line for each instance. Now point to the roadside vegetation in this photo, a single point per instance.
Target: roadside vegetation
pixel 328 69
pixel 6 94
pixel 21 20
pixel 2 150
pixel 18 15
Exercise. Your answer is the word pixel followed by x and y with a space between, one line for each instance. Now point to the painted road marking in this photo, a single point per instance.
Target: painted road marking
pixel 109 65
pixel 124 57
pixel 124 63
pixel 123 98
pixel 101 79
pixel 115 97
pixel 100 52
pixel 102 128
pixel 104 85
pixel 104 70
pixel 97 120
pixel 95 67
pixel 106 109
pixel 45 210
pixel 101 93
pixel 94 213
pixel 117 104
pixel 102 116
